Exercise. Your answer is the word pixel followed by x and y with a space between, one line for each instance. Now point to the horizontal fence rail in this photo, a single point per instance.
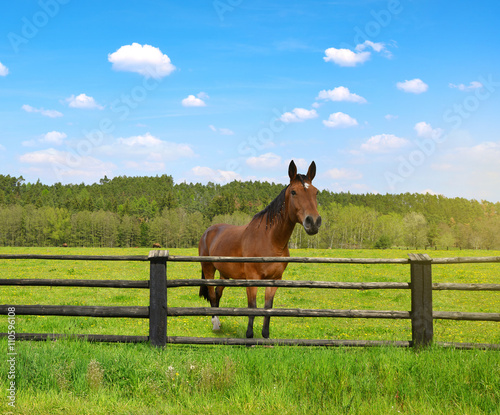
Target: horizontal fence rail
pixel 302 260
pixel 310 260
pixel 286 312
pixel 76 283
pixel 78 311
pixel 297 284
pixel 420 287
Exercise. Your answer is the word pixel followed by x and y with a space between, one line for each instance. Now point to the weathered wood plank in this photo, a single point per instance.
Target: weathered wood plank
pixel 465 287
pixel 158 298
pixel 469 346
pixel 285 312
pixel 180 258
pixel 74 283
pixel 281 283
pixel 284 342
pixel 77 311
pixel 421 299
pixel 89 337
pixel 466 260
pixel 457 315
pixel 77 257
pixel 310 260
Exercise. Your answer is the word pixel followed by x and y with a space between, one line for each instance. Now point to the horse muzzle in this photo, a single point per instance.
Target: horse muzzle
pixel 311 224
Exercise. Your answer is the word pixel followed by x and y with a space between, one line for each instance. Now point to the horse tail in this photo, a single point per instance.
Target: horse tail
pixel 204 288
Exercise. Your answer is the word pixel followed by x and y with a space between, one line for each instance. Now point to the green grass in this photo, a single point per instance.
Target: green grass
pixel 76 377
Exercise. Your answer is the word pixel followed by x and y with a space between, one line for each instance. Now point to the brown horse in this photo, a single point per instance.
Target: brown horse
pixel 266 235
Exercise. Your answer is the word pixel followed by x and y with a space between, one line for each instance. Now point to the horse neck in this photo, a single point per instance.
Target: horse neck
pixel 281 231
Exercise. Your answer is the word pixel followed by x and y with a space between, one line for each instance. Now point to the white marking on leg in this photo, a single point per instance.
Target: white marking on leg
pixel 215 323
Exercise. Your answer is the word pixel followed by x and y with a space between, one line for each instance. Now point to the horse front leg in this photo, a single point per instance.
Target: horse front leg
pixel 209 293
pixel 252 303
pixel 215 303
pixel 270 291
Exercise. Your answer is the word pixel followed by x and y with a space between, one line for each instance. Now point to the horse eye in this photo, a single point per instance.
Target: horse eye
pixel 294 192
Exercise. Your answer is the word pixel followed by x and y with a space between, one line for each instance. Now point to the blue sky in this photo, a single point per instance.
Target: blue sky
pixel 385 96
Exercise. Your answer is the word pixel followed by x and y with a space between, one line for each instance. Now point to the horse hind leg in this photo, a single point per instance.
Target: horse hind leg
pixel 270 292
pixel 252 303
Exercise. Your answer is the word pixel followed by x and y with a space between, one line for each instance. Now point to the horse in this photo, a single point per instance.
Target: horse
pixel 267 234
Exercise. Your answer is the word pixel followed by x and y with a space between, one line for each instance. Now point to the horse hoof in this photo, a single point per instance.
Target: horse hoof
pixel 215 323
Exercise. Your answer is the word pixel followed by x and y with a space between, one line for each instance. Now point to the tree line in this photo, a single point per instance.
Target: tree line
pixel 139 211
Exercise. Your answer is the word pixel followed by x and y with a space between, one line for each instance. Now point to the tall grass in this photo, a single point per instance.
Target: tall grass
pixel 75 377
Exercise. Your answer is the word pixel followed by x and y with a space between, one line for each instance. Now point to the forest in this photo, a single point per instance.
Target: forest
pixel 140 211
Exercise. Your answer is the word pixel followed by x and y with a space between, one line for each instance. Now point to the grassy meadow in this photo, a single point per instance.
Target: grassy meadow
pixel 73 376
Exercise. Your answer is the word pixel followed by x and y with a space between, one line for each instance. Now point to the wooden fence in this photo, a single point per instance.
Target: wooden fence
pixel 420 286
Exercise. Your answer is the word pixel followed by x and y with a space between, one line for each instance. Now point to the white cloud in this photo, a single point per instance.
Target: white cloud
pixel 4 71
pixel 66 166
pixel 347 57
pixel 340 120
pixel 340 93
pixel 42 111
pixel 221 131
pixel 470 171
pixel 298 115
pixel 377 47
pixel 425 130
pixel 414 86
pixel 145 165
pixel 53 137
pixel 147 148
pixel 83 101
pixel 2 148
pixel 390 117
pixel 192 101
pixel 264 161
pixel 383 143
pixel 146 140
pixel 428 192
pixel 346 174
pixel 146 60
pixel 217 176
pixel 473 85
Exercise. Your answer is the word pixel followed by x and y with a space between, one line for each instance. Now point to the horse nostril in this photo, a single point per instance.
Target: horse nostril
pixel 309 221
pixel 318 222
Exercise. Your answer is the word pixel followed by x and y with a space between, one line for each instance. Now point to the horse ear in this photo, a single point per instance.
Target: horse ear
pixel 312 171
pixel 292 171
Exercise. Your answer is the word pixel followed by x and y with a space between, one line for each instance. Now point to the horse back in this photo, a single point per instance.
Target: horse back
pixel 240 241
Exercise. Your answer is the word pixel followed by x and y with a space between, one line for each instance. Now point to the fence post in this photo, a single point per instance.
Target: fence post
pixel 158 298
pixel 421 299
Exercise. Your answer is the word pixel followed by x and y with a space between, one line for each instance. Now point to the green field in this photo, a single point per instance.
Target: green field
pixel 70 376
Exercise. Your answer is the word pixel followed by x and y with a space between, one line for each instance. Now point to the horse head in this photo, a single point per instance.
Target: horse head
pixel 301 199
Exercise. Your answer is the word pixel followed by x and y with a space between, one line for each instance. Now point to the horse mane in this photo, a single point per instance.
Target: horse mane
pixel 274 211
